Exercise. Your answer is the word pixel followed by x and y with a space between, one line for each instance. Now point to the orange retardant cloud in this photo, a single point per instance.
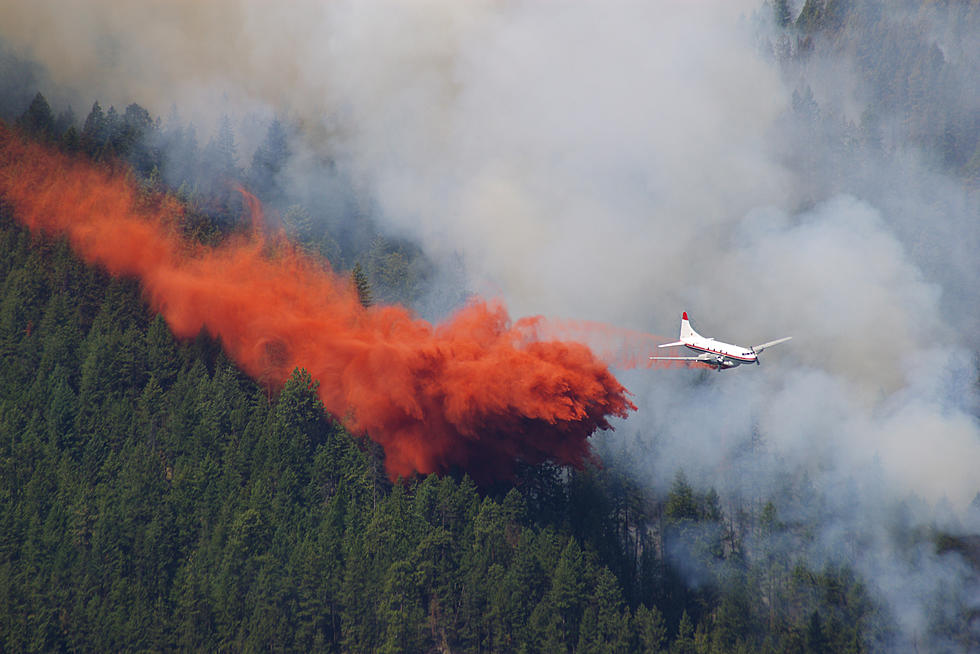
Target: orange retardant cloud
pixel 474 392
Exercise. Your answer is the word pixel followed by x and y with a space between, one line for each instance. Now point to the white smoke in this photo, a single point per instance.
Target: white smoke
pixel 625 161
pixel 561 149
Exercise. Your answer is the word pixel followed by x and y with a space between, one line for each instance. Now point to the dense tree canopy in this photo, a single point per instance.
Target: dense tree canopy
pixel 152 497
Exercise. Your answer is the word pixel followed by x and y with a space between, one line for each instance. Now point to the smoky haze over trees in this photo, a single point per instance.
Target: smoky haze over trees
pixel 825 185
pixel 155 498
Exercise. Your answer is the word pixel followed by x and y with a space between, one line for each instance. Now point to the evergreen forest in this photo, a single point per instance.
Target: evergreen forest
pixel 155 498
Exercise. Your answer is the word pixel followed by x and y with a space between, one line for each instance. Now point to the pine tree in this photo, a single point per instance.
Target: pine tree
pixel 362 286
pixel 568 589
pixel 684 643
pixel 38 120
pixel 267 162
pixel 136 136
pixel 221 154
pixel 94 130
pixel 400 614
pixel 649 623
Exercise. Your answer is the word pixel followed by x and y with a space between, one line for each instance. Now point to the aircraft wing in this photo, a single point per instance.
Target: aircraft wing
pixel 701 357
pixel 760 348
pixel 675 343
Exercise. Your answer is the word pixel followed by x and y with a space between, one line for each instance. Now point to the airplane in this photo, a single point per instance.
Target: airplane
pixel 718 355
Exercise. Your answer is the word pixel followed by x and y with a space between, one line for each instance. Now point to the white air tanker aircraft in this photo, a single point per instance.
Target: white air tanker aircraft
pixel 716 354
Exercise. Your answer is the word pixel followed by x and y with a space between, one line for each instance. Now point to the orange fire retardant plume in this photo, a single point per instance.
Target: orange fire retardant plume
pixel 474 392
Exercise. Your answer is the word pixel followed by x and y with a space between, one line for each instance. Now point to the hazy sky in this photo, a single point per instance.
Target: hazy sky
pixel 624 161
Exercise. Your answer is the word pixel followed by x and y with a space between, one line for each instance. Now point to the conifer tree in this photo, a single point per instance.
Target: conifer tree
pixel 94 130
pixel 38 120
pixel 267 161
pixel 362 286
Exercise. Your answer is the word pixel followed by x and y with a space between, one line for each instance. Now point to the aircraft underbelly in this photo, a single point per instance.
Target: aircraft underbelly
pixel 719 359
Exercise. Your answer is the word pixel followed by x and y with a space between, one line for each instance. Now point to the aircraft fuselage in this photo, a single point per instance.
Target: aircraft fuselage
pixel 717 354
pixel 723 355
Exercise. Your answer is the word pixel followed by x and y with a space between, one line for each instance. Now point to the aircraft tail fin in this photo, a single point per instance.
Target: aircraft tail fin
pixel 687 332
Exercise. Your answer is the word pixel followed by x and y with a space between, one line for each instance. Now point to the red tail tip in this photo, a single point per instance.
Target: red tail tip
pixel 684 317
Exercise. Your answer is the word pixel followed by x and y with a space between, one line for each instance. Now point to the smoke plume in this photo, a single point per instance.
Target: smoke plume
pixel 625 161
pixel 473 392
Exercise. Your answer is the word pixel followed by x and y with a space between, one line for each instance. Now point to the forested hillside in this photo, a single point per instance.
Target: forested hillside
pixel 153 497
pixel 913 66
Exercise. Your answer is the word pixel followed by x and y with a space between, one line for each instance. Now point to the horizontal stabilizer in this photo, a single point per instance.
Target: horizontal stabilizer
pixel 760 348
pixel 675 343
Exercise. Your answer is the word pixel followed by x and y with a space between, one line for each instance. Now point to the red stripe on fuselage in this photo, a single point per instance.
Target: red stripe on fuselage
pixel 697 348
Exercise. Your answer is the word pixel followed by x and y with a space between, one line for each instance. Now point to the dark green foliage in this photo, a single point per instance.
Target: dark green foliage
pixel 362 286
pixel 396 270
pixel 95 131
pixel 38 121
pixel 154 498
pixel 135 138
pixel 651 630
